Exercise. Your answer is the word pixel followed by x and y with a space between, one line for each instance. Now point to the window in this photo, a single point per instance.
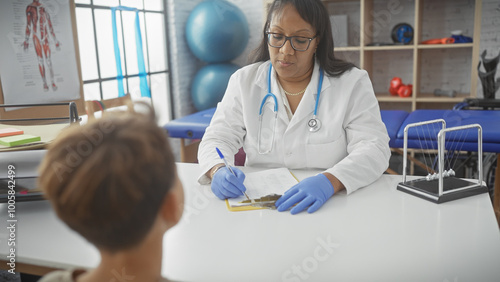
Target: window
pixel 97 57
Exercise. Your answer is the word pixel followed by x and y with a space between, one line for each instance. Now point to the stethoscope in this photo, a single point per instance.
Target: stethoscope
pixel 314 123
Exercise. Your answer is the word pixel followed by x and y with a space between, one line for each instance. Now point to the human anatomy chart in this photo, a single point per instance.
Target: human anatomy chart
pixel 37 52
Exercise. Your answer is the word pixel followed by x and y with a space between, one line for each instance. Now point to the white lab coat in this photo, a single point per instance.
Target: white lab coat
pixel 352 143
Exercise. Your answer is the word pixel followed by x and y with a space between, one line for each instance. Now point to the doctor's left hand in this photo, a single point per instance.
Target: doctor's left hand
pixel 311 192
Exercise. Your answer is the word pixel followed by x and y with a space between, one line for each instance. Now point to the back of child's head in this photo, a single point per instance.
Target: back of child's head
pixel 107 179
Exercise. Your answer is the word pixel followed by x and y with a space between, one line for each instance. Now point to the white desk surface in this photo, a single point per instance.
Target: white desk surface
pixel 375 234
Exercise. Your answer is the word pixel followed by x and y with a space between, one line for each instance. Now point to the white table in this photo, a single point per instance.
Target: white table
pixel 375 234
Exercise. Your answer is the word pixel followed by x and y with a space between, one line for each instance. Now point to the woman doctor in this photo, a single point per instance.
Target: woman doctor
pixel 298 107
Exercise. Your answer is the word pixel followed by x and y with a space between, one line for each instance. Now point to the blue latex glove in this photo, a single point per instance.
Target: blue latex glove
pixel 226 185
pixel 311 192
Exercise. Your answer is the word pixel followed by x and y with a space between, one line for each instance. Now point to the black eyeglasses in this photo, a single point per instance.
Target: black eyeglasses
pixel 299 43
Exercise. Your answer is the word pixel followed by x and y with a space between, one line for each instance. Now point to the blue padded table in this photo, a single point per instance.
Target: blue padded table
pixel 193 127
pixel 190 127
pixel 489 121
pixel 393 119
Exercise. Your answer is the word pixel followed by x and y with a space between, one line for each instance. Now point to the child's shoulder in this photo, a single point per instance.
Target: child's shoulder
pixel 62 275
pixel 70 275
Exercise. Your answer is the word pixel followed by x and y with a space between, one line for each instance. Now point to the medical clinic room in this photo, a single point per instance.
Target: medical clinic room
pixel 249 140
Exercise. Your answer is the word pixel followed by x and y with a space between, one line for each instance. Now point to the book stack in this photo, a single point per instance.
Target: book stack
pixel 11 137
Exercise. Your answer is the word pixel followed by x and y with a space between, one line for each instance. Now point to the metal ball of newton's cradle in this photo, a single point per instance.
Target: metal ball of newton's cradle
pixel 433 176
pixel 446 173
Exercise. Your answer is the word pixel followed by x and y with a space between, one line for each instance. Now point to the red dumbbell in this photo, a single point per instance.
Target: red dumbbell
pixel 405 90
pixel 396 82
pixel 398 88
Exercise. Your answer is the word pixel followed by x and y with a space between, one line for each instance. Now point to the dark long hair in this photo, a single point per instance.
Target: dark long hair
pixel 315 13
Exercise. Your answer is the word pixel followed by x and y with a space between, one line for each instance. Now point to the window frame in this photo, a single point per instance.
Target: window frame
pixel 144 32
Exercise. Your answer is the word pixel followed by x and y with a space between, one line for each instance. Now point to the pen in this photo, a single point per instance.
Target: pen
pixel 229 167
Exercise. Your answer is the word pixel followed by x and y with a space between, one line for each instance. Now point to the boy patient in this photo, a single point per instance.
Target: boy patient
pixel 114 181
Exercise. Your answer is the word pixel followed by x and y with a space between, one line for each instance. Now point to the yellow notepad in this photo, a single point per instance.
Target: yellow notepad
pixel 17 140
pixel 262 183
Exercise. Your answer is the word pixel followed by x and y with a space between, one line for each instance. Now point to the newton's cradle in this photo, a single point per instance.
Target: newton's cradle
pixel 441 185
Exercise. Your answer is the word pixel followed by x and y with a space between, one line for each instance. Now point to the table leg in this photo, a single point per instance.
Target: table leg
pixel 189 153
pixel 496 198
pixel 391 171
pixel 414 160
pixel 183 150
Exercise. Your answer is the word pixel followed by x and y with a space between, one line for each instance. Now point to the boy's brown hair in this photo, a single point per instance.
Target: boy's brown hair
pixel 107 179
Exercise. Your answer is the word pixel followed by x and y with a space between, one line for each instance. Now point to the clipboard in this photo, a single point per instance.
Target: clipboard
pixel 263 183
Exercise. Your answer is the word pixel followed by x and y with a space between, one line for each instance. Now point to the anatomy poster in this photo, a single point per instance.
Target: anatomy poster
pixel 37 52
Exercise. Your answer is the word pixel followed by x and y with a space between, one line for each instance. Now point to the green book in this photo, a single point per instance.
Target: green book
pixel 17 140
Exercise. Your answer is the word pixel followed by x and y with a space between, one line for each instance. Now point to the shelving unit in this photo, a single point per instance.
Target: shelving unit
pixel 426 66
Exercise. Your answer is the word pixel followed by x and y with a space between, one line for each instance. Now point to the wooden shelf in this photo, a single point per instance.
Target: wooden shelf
pixel 445 46
pixel 395 99
pixel 441 99
pixel 429 97
pixel 389 47
pixel 337 1
pixel 412 61
pixel 347 49
pixel 387 97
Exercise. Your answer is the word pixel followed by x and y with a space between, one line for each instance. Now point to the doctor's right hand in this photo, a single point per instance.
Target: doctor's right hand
pixel 226 185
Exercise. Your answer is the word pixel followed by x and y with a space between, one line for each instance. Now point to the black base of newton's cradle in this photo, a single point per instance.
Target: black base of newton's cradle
pixel 428 189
